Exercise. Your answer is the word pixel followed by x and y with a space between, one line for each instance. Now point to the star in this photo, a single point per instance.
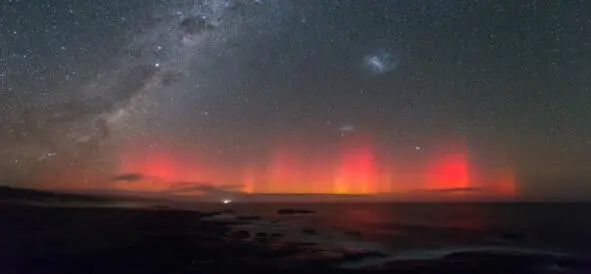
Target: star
pixel 161 85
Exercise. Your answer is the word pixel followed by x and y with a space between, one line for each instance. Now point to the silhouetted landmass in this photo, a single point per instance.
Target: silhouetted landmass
pixel 32 195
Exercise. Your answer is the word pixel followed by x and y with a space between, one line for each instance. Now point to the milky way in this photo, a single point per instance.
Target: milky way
pixel 164 60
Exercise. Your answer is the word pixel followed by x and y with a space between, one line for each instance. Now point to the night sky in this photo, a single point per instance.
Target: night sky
pixel 298 96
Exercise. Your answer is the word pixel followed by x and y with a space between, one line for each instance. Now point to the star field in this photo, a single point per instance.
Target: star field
pixel 84 85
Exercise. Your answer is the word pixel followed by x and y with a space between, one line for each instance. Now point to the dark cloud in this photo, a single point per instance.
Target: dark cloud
pixel 450 190
pixel 204 189
pixel 131 177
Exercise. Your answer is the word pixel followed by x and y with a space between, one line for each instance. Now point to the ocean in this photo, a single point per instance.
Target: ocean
pixel 345 235
pixel 550 227
pixel 400 227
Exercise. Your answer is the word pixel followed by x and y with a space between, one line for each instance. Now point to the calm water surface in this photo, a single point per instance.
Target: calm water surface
pixel 557 227
pixel 562 227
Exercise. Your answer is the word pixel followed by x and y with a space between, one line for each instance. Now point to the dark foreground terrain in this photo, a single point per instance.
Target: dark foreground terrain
pixel 32 195
pixel 113 240
pixel 160 240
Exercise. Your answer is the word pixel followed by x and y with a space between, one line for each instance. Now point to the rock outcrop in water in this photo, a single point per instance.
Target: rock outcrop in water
pixel 287 211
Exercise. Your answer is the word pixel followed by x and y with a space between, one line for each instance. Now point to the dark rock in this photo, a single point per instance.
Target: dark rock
pixel 276 235
pixel 288 211
pixel 309 231
pixel 217 213
pixel 250 218
pixel 211 214
pixel 161 207
pixel 358 256
pixel 511 236
pixel 354 233
pixel 241 235
pixel 352 257
pixel 261 237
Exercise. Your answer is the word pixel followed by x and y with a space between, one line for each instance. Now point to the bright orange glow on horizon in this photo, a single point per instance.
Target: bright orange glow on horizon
pixel 504 184
pixel 449 172
pixel 249 179
pixel 163 168
pixel 352 167
pixel 286 171
pixel 357 168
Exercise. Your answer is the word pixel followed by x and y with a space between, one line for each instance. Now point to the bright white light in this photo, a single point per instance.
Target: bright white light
pixel 226 201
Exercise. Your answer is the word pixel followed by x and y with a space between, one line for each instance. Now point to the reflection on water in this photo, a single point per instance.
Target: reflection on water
pixel 395 223
pixel 412 223
pixel 444 215
pixel 562 227
pixel 416 225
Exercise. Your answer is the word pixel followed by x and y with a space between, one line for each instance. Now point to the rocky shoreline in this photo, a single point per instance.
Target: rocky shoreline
pixel 153 240
pixel 165 240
